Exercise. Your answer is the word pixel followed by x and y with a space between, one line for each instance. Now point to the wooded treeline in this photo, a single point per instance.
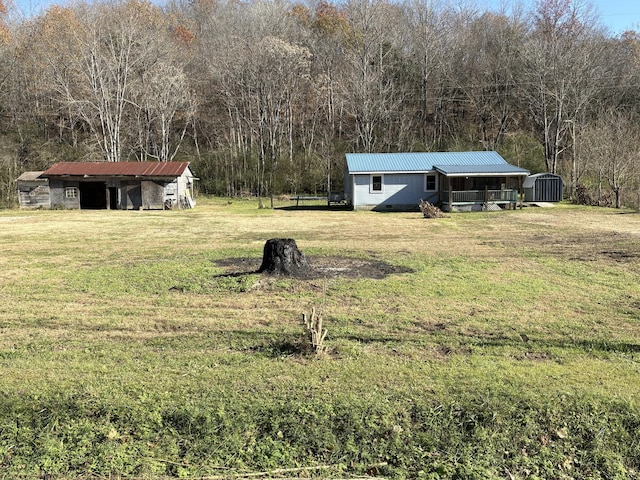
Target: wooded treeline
pixel 265 97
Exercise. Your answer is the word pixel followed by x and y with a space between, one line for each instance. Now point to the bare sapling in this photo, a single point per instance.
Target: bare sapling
pixel 315 331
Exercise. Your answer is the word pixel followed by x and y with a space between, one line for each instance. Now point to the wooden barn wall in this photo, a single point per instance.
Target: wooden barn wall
pixel 58 197
pixel 152 195
pixel 131 195
pixel 33 195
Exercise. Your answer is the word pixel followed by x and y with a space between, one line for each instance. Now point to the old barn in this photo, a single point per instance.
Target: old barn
pixel 113 185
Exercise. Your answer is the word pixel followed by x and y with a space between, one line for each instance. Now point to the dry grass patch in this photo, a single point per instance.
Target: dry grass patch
pixel 450 338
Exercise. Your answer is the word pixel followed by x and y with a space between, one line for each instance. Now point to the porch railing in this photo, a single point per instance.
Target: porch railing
pixel 481 196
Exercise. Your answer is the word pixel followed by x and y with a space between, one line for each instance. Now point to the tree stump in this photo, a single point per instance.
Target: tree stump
pixel 281 256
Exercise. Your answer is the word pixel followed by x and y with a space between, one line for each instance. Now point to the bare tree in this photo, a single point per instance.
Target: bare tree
pixel 484 60
pixel 163 95
pixel 436 31
pixel 612 158
pixel 322 129
pixel 560 73
pixel 8 160
pixel 5 58
pixel 277 73
pixel 283 89
pixel 372 93
pixel 94 71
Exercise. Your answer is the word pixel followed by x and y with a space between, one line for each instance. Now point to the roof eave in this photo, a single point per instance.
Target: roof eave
pixel 485 174
pixel 382 172
pixel 436 169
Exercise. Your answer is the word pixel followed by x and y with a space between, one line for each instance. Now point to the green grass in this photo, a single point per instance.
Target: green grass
pixel 510 351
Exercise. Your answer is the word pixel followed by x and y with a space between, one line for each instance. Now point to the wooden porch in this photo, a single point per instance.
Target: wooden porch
pixel 504 198
pixel 476 191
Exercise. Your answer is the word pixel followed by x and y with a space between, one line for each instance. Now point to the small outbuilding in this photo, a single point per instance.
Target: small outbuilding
pixel 110 185
pixel 543 187
pixel 33 191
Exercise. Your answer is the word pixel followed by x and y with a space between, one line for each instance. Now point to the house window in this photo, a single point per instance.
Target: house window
pixel 71 192
pixel 430 183
pixel 376 183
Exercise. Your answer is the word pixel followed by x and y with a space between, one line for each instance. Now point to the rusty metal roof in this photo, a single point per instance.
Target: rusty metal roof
pixel 119 169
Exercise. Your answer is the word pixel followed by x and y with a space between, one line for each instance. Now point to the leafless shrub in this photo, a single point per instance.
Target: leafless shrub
pixel 583 196
pixel 315 332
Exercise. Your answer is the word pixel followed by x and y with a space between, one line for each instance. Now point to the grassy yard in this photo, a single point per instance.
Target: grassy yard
pixel 141 345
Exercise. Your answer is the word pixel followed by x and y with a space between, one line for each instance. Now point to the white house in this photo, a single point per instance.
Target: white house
pixel 455 181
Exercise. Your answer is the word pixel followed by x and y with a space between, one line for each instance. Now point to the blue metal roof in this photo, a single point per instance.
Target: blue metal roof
pixel 474 162
pixel 481 170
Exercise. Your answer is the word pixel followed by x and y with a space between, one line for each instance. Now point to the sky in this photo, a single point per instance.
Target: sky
pixel 619 15
pixel 616 15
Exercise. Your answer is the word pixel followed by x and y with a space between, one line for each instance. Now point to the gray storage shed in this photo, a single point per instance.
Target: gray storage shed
pixel 543 187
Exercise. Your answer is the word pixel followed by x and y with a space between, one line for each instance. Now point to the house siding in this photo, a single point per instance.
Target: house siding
pixel 400 191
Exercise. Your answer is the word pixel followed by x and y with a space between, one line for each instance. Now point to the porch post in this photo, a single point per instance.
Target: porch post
pixel 520 183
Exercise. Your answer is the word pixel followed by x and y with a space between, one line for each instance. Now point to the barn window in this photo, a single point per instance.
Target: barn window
pixel 430 183
pixel 376 183
pixel 71 192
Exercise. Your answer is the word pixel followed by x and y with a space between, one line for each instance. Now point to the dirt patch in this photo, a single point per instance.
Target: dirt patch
pixel 320 267
pixel 588 247
pixel 537 356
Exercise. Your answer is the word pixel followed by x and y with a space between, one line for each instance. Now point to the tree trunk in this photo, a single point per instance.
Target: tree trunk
pixel 281 256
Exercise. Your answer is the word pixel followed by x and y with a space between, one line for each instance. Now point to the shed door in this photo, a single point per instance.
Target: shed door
pixel 546 190
pixel 133 197
pixel 152 195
